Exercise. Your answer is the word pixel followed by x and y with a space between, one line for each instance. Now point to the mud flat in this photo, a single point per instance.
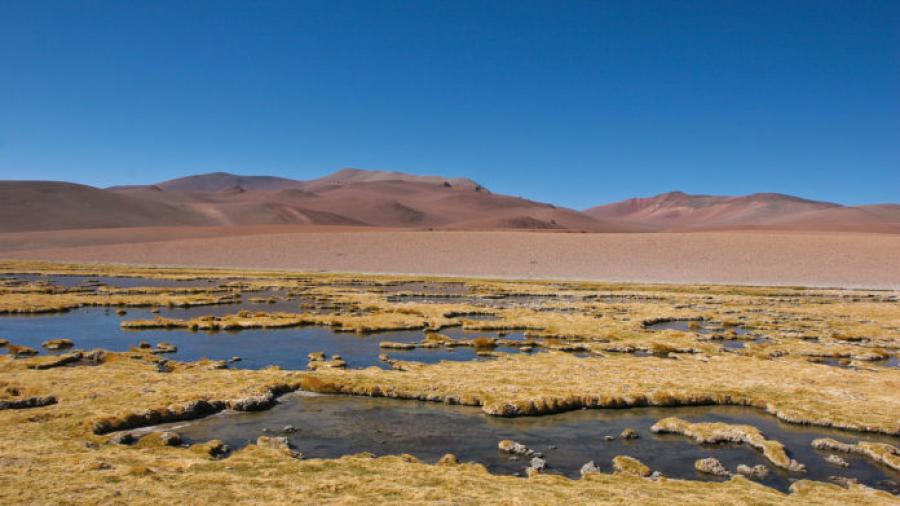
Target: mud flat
pixel 761 258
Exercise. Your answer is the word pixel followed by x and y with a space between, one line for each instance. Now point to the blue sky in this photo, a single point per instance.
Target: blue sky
pixel 577 103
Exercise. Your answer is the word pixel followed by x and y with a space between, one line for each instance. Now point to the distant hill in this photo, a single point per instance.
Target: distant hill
pixel 677 211
pixel 50 205
pixel 220 181
pixel 347 197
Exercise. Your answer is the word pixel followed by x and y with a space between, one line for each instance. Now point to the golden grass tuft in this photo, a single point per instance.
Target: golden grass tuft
pixel 879 452
pixel 629 465
pixel 713 433
pixel 56 443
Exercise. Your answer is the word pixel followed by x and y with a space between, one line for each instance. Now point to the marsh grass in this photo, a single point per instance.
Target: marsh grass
pixel 65 444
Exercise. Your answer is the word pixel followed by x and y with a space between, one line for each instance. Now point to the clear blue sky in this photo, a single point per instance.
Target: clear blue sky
pixel 576 103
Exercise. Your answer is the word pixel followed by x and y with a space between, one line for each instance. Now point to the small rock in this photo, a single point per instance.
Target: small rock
pixel 515 448
pixel 217 448
pixel 316 356
pixel 164 347
pixel 609 438
pixel 235 359
pixel 254 402
pixel 629 433
pixel 448 460
pixel 590 467
pixel 838 461
pixel 711 465
pixel 655 474
pixel 758 471
pixel 538 463
pixel 396 346
pixel 843 481
pixel 21 351
pixel 278 443
pixel 123 438
pixel 57 344
pixel 289 429
pixel 121 312
pixel 170 438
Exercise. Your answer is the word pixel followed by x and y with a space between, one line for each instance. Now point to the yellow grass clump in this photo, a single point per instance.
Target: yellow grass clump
pixel 882 453
pixel 713 433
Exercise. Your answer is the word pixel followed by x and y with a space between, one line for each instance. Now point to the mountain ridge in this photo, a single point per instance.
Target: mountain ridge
pixel 377 198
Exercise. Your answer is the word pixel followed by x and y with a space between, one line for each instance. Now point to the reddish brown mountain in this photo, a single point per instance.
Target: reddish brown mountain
pixel 677 211
pixel 347 197
pixel 49 205
pixel 393 199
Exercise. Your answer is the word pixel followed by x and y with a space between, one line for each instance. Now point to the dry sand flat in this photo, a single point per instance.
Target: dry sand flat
pixel 770 258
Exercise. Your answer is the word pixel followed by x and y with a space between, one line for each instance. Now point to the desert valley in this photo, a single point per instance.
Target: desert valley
pixel 389 222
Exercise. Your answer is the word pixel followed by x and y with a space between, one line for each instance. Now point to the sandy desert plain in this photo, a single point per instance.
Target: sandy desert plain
pixel 381 337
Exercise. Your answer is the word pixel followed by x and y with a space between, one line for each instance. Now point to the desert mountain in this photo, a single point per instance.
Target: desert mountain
pixel 393 199
pixel 360 197
pixel 50 205
pixel 348 197
pixel 677 211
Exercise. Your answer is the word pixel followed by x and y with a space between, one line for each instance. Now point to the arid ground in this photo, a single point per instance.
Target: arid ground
pixel 850 260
